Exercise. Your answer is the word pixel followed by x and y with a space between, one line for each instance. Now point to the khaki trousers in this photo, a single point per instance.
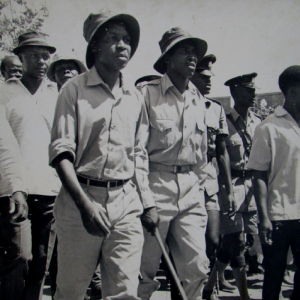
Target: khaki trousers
pixel 79 251
pixel 182 226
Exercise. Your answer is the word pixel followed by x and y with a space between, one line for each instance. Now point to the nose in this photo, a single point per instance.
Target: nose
pixel 121 44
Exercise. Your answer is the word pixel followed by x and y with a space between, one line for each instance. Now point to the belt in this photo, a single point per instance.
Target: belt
pixel 173 169
pixel 244 174
pixel 107 184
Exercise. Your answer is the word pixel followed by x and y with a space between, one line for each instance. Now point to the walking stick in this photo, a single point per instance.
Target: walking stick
pixel 170 265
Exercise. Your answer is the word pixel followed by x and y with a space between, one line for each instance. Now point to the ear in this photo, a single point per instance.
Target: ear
pixel 93 46
pixel 167 59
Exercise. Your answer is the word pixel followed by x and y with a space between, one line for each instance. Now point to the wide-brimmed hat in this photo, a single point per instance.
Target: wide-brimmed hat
pixel 95 21
pixel 173 37
pixel 246 80
pixel 32 38
pixel 205 64
pixel 57 58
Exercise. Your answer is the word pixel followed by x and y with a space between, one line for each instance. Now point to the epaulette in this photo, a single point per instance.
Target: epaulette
pixel 144 83
pixel 154 82
pixel 214 100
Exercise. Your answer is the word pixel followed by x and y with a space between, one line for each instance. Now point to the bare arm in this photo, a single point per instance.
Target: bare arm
pixel 92 215
pixel 224 167
pixel 261 191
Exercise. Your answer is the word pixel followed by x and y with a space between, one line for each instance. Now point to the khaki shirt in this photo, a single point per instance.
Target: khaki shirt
pixel 276 149
pixel 105 131
pixel 177 125
pixel 243 190
pixel 30 118
pixel 216 125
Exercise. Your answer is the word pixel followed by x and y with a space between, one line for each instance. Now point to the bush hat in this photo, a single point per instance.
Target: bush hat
pixel 173 37
pixel 95 21
pixel 57 58
pixel 32 38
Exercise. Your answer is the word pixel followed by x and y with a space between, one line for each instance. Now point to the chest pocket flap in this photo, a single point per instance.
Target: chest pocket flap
pixel 161 125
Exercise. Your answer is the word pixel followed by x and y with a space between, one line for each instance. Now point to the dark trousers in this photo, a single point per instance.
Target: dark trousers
pixel 15 252
pixel 285 234
pixel 42 220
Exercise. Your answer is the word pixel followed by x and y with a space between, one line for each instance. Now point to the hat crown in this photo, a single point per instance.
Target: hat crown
pixel 206 62
pixel 93 22
pixel 30 36
pixel 170 36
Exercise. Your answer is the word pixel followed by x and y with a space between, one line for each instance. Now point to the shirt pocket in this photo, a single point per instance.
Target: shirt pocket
pixel 235 150
pixel 163 132
pixel 200 129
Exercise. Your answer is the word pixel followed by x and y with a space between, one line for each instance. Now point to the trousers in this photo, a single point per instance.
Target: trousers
pixel 181 208
pixel 119 254
pixel 284 235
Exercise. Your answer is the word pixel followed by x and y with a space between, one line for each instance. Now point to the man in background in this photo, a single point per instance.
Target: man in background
pixel 11 67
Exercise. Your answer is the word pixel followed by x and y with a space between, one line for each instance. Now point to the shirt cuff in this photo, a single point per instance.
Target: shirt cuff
pixel 60 146
pixel 147 199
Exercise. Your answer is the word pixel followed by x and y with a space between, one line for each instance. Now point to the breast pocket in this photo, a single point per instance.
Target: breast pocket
pixel 163 132
pixel 200 129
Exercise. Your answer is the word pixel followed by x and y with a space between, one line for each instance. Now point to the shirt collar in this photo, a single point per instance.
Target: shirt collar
pixel 95 79
pixel 280 111
pixel 166 83
pixel 235 115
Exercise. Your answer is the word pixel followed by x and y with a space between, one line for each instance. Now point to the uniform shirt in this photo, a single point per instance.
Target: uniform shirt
pixel 216 125
pixel 243 191
pixel 276 149
pixel 12 177
pixel 177 125
pixel 105 131
pixel 31 117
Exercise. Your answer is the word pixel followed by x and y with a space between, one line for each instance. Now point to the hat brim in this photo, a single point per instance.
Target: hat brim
pixel 201 48
pixel 133 28
pixel 18 49
pixel 50 72
pixel 207 73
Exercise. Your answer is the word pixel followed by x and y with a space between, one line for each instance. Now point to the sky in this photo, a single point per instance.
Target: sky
pixel 246 36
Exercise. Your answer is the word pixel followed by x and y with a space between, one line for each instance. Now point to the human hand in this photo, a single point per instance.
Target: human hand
pixel 18 208
pixel 93 218
pixel 229 205
pixel 150 218
pixel 265 232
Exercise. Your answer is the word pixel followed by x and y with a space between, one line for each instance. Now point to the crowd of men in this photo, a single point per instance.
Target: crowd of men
pixel 91 168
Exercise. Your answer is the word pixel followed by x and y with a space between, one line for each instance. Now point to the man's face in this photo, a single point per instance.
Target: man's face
pixel 182 59
pixel 13 68
pixel 35 61
pixel 245 96
pixel 113 49
pixel 65 70
pixel 202 82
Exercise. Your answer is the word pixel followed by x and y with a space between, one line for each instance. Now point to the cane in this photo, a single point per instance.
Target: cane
pixel 170 265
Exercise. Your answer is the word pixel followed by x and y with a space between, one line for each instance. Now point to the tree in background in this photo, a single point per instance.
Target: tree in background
pixel 17 17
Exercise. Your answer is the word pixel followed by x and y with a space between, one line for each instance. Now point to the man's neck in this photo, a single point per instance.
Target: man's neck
pixel 181 83
pixel 241 110
pixel 109 76
pixel 32 84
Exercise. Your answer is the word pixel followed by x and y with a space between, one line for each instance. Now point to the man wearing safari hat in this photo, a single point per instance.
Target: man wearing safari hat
pixel 30 104
pixel 217 130
pixel 64 68
pixel 177 156
pixel 241 125
pixel 98 144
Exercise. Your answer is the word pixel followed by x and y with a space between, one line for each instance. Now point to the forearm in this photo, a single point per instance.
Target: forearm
pixel 260 187
pixel 224 164
pixel 66 172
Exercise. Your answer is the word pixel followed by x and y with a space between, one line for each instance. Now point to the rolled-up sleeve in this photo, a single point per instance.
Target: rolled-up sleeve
pixel 141 158
pixel 260 156
pixel 64 129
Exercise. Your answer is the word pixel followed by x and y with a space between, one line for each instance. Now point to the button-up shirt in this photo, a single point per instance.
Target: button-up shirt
pixel 105 131
pixel 177 125
pixel 276 149
pixel 31 117
pixel 216 125
pixel 243 191
pixel 12 177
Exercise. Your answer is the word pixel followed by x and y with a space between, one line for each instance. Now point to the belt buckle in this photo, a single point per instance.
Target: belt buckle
pixel 244 172
pixel 177 169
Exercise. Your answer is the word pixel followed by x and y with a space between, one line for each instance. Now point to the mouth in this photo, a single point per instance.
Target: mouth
pixel 122 56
